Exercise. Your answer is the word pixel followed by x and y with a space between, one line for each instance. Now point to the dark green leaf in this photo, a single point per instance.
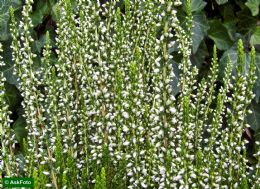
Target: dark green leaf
pixel 39 44
pixel 257 94
pixel 19 129
pixel 219 34
pixel 221 2
pixel 174 48
pixel 4 16
pixel 175 81
pixel 9 65
pixel 199 30
pixel 12 95
pixel 230 21
pixel 257 85
pixel 42 9
pixel 231 28
pixel 233 56
pixel 247 23
pixel 253 5
pixel 255 38
pixel 195 6
pixel 4 27
pixel 198 58
pixel 254 118
pixel 228 12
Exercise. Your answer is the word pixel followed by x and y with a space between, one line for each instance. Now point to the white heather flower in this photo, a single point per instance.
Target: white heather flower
pixel 46 173
pixel 178 149
pixel 126 143
pixel 173 110
pixel 48 185
pixel 178 177
pixel 125 128
pixel 103 29
pixel 125 115
pixel 174 120
pixel 144 171
pixel 156 70
pixel 162 1
pixel 95 110
pixel 162 170
pixel 129 164
pixel 130 174
pixel 144 185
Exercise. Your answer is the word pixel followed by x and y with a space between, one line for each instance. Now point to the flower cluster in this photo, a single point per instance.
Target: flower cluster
pixel 107 116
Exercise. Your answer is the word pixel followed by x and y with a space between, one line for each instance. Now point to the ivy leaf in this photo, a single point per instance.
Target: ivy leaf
pixel 9 65
pixel 12 95
pixel 255 38
pixel 254 119
pixel 19 129
pixel 175 81
pixel 257 94
pixel 4 27
pixel 195 6
pixel 199 30
pixel 42 9
pixel 257 84
pixel 246 23
pixel 232 53
pixel 219 34
pixel 39 44
pixel 253 5
pixel 4 37
pixel 174 48
pixel 230 21
pixel 221 2
pixel 198 58
pixel 4 16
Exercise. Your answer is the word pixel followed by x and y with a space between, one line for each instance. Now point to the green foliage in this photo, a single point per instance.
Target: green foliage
pixel 13 96
pixel 81 59
pixel 219 34
pixel 195 6
pixel 255 38
pixel 42 9
pixel 19 129
pixel 254 119
pixel 9 66
pixel 199 30
pixel 253 5
pixel 4 16
pixel 5 38
pixel 220 2
pixel 225 23
pixel 100 181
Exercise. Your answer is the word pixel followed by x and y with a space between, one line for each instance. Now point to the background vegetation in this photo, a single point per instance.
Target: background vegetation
pixel 222 22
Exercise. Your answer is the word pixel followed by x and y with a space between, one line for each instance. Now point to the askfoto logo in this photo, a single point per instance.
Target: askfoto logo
pixel 18 182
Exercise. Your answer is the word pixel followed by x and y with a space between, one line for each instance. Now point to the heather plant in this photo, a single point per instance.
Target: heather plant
pixel 105 116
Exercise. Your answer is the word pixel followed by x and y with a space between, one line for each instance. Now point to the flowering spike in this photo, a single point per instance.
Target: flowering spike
pixel 240 60
pixel 105 113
